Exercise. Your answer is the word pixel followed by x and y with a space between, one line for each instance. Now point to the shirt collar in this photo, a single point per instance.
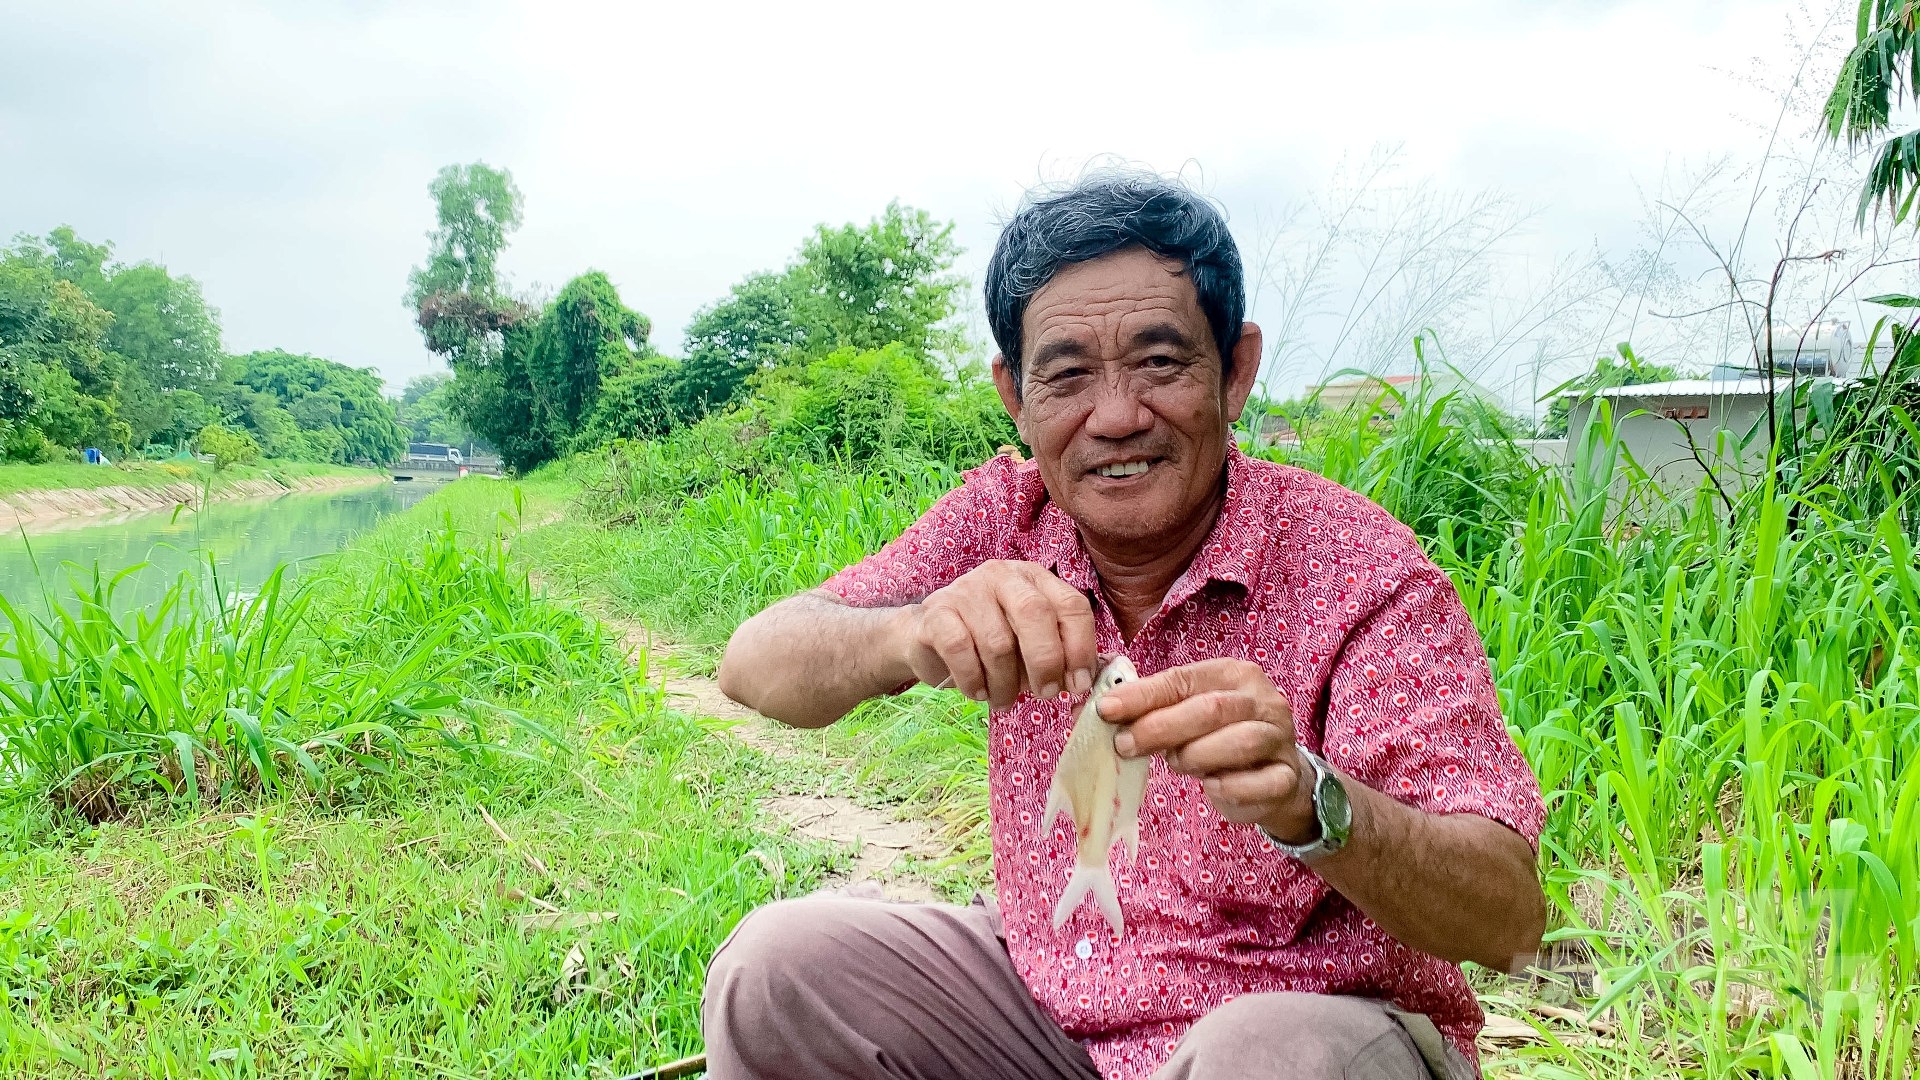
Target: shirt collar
pixel 1233 551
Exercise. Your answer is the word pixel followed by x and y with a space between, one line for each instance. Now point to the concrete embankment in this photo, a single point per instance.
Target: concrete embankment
pixel 27 507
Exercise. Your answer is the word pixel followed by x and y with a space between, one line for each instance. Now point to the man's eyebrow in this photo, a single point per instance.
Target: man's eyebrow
pixel 1058 349
pixel 1160 333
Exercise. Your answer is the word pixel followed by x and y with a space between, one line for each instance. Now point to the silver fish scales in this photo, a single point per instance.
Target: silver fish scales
pixel 1101 793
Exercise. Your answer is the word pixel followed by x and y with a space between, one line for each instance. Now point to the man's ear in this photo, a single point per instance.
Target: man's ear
pixel 1009 391
pixel 1246 370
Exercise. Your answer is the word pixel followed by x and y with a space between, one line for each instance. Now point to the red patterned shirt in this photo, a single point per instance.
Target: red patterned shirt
pixel 1388 681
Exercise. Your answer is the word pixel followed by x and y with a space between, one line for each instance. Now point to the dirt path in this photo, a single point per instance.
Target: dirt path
pixel 879 840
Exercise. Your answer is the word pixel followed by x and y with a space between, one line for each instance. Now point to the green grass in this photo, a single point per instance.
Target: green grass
pixel 370 921
pixel 16 477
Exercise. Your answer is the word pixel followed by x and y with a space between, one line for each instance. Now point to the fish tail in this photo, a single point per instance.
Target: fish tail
pixel 1092 881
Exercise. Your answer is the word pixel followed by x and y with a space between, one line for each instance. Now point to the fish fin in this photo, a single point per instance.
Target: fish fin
pixel 1056 801
pixel 1094 881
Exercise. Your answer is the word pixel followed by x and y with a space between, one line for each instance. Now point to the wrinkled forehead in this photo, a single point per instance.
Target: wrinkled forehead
pixel 1129 298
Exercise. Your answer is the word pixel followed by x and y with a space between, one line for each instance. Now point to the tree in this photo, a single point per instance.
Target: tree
pixel 637 402
pixel 754 328
pixel 457 296
pixel 584 334
pixel 62 380
pixel 496 400
pixel 425 409
pixel 163 324
pixel 885 283
pixel 337 412
pixel 1882 71
pixel 228 446
pixel 858 287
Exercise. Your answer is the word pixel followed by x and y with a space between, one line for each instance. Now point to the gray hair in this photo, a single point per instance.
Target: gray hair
pixel 1105 212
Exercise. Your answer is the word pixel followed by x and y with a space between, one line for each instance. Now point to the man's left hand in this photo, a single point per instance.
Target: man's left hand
pixel 1224 723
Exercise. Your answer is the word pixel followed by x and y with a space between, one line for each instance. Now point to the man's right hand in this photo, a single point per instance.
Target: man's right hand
pixel 1002 628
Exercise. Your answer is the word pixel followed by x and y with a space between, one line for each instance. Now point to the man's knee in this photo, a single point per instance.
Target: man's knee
pixel 1296 1036
pixel 773 950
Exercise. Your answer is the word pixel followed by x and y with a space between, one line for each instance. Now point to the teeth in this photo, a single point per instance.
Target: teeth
pixel 1131 468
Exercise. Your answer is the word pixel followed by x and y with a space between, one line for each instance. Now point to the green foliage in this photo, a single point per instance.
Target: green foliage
pixel 163 324
pixel 858 406
pixel 127 358
pixel 495 398
pixel 538 392
pixel 1880 72
pixel 752 330
pixel 425 410
pixel 638 401
pixel 889 282
pixel 53 351
pixel 228 446
pixel 457 296
pixel 202 698
pixel 585 335
pixel 310 409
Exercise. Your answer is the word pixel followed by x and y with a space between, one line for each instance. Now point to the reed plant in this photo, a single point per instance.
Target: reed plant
pixel 206 696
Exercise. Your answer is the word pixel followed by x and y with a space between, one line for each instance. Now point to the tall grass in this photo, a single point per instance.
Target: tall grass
pixel 204 697
pixel 1724 713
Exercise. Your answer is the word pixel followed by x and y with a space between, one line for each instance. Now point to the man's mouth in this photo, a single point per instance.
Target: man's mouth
pixel 1122 468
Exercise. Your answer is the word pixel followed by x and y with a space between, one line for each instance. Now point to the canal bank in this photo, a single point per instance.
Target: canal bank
pixel 229 543
pixel 153 492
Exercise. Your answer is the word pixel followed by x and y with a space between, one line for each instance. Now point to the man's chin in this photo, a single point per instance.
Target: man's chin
pixel 1119 520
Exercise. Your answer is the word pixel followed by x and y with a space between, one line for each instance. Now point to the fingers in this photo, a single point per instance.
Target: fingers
pixel 1251 794
pixel 1172 728
pixel 1131 701
pixel 1002 628
pixel 1073 621
pixel 1236 747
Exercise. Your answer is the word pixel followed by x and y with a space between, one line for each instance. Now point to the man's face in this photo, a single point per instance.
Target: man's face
pixel 1122 396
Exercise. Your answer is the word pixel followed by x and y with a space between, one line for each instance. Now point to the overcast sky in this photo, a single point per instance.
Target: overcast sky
pixel 280 152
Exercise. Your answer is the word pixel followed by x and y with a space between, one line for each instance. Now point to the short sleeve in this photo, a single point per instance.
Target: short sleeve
pixel 1412 711
pixel 959 532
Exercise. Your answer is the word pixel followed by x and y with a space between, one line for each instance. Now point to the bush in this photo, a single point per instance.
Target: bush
pixel 854 407
pixel 22 442
pixel 228 446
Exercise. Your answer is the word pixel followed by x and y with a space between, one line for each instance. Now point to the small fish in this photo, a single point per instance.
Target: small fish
pixel 1101 794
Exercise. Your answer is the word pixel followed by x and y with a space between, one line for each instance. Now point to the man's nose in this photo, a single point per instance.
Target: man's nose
pixel 1117 412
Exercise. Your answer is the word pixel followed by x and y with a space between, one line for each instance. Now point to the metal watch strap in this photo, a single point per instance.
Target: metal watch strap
pixel 1330 840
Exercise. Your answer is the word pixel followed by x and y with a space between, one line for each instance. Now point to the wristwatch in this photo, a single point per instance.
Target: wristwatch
pixel 1330 807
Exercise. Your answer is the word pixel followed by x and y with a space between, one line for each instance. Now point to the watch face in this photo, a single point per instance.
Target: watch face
pixel 1336 813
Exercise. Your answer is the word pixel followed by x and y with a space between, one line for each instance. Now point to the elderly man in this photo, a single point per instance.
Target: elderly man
pixel 1336 816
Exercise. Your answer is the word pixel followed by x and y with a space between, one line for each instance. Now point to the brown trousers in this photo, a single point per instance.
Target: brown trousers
pixel 844 987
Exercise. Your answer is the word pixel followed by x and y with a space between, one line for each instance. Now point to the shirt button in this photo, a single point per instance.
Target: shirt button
pixel 1084 949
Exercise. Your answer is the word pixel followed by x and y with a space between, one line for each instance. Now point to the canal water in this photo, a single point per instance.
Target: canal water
pixel 245 539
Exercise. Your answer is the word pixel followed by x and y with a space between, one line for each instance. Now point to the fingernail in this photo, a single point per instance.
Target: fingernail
pixel 1123 744
pixel 1081 681
pixel 1049 691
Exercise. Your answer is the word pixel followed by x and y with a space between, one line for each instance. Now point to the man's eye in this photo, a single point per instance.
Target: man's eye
pixel 1162 363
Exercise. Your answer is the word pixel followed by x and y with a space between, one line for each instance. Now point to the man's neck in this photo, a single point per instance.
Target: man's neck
pixel 1135 577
